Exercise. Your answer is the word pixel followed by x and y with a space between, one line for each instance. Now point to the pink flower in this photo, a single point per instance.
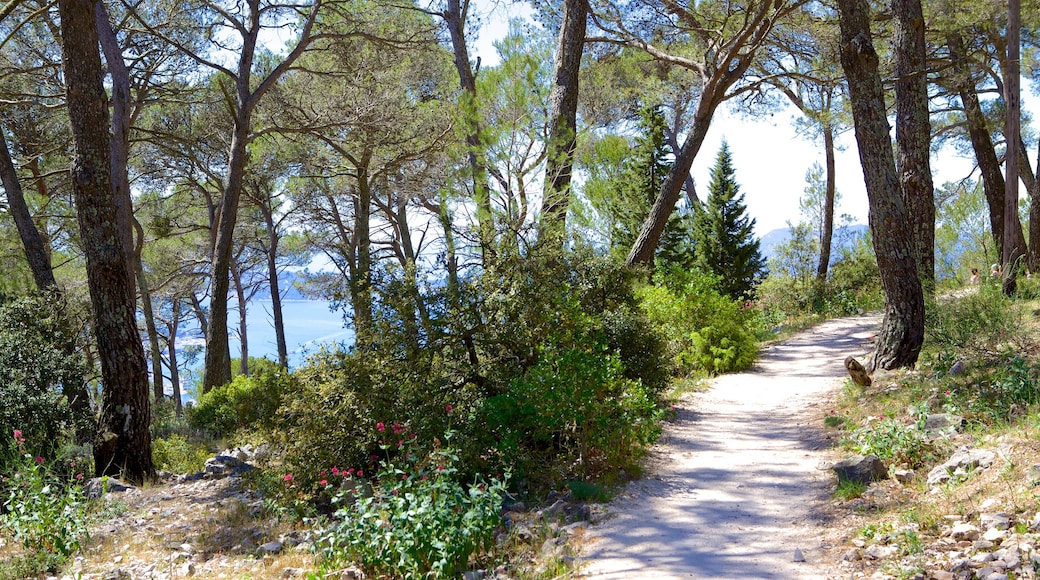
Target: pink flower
pixel 425 477
pixel 335 470
pixel 399 444
pixel 380 427
pixel 79 476
pixel 448 408
pixel 287 477
pixel 39 460
pixel 404 477
pixel 394 492
pixel 17 433
pixel 323 483
pixel 361 473
pixel 398 429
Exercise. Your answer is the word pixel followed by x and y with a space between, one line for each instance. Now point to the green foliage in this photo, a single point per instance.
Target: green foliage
pixel 571 415
pixel 38 364
pixel 706 330
pixel 177 454
pixel 44 513
pixel 849 489
pixel 979 325
pixel 414 519
pixel 893 441
pixel 247 402
pixel 725 235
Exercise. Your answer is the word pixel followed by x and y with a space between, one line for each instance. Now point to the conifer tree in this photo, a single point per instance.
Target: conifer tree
pixel 724 234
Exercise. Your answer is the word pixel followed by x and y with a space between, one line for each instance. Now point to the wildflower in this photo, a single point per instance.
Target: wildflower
pixel 335 470
pixel 380 427
pixel 348 472
pixel 398 429
pixel 424 478
pixel 448 408
pixel 400 444
pixel 17 433
pixel 79 477
pixel 361 473
pixel 373 457
pixel 404 477
pixel 39 460
pixel 394 492
pixel 323 483
pixel 288 478
pixel 947 393
pixel 440 468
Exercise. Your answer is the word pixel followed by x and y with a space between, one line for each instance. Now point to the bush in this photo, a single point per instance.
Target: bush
pixel 418 521
pixel 706 331
pixel 39 367
pixel 893 441
pixel 45 514
pixel 247 402
pixel 176 454
pixel 573 415
pixel 980 326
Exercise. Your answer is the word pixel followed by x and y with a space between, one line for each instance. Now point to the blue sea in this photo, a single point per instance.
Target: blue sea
pixel 308 325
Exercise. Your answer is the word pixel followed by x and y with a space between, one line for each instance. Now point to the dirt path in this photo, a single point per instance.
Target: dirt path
pixel 733 487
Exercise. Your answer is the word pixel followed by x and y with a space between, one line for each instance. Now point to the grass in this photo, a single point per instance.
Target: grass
pixel 848 489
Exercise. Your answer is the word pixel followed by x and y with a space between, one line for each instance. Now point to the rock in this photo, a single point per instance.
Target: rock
pixel 994 576
pixel 998 520
pixel 798 555
pixel 186 569
pixel 857 372
pixel 1033 473
pixel 852 555
pixel 879 552
pixel 941 575
pixel 225 465
pixel 474 575
pixel 861 469
pixel 994 535
pixel 271 547
pixel 292 573
pixel 554 510
pixel 1009 557
pixel 351 574
pixel 958 368
pixel 964 531
pixel 962 460
pixel 904 476
pixel 117 574
pixel 939 425
pixel 98 486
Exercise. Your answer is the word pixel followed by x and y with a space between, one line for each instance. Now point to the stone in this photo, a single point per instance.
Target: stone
pixel 964 531
pixel 857 372
pixel 271 547
pixel 292 572
pixel 117 574
pixel 852 555
pixel 474 575
pixel 862 469
pixel 998 520
pixel 958 368
pixel 98 486
pixel 879 552
pixel 1033 473
pixel 941 575
pixel 225 465
pixel 798 555
pixel 961 461
pixel 938 425
pixel 352 574
pixel 186 569
pixel 904 476
pixel 994 535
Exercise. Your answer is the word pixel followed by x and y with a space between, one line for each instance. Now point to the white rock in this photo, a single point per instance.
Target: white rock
pixel 798 556
pixel 998 520
pixel 878 552
pixel 994 535
pixel 964 531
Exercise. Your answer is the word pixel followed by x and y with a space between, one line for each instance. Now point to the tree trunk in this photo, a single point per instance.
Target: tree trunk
pixel 123 445
pixel 153 334
pixel 175 373
pixel 120 136
pixel 981 143
pixel 1033 186
pixel 902 332
pixel 913 135
pixel 563 119
pixel 455 19
pixel 361 284
pixel 1014 248
pixel 32 243
pixel 243 339
pixel 827 231
pixel 276 292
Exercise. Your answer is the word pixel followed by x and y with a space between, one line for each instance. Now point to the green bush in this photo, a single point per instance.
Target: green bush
pixel 176 454
pixel 39 367
pixel 573 415
pixel 418 521
pixel 706 331
pixel 44 513
pixel 893 441
pixel 247 402
pixel 979 326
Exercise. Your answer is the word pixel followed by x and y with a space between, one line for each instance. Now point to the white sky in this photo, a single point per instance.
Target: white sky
pixel 769 158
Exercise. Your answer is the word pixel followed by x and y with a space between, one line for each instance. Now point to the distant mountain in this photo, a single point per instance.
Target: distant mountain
pixel 844 239
pixel 289 285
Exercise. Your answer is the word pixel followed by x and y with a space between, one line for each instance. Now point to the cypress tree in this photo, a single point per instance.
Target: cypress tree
pixel 724 234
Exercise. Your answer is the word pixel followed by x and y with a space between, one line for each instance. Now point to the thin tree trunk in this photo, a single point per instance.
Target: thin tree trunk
pixel 123 444
pixel 563 119
pixel 361 284
pixel 149 314
pixel 276 292
pixel 32 243
pixel 902 332
pixel 913 134
pixel 175 372
pixel 1014 248
pixel 827 231
pixel 240 295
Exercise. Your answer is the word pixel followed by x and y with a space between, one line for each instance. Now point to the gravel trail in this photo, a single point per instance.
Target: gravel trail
pixel 734 486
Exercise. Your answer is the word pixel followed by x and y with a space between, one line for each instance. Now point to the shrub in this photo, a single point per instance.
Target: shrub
pixel 39 367
pixel 979 325
pixel 418 521
pixel 893 441
pixel 244 403
pixel 176 454
pixel 45 514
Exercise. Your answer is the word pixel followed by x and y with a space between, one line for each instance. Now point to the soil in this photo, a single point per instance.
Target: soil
pixel 739 485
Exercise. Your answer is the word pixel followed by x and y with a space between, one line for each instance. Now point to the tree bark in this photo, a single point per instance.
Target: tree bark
pixel 902 332
pixel 175 374
pixel 276 292
pixel 827 231
pixel 563 119
pixel 1014 249
pixel 913 134
pixel 361 282
pixel 123 444
pixel 32 242
pixel 243 337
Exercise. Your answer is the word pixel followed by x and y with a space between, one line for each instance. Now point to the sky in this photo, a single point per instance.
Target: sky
pixel 770 160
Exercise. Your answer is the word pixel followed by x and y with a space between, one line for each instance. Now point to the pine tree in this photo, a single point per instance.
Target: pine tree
pixel 724 234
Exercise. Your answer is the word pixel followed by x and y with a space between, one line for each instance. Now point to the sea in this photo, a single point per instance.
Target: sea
pixel 309 324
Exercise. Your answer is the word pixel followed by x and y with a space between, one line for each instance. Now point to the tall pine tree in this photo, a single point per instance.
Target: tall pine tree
pixel 724 234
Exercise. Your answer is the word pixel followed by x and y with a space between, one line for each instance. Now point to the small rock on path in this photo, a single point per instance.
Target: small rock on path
pixel 731 487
